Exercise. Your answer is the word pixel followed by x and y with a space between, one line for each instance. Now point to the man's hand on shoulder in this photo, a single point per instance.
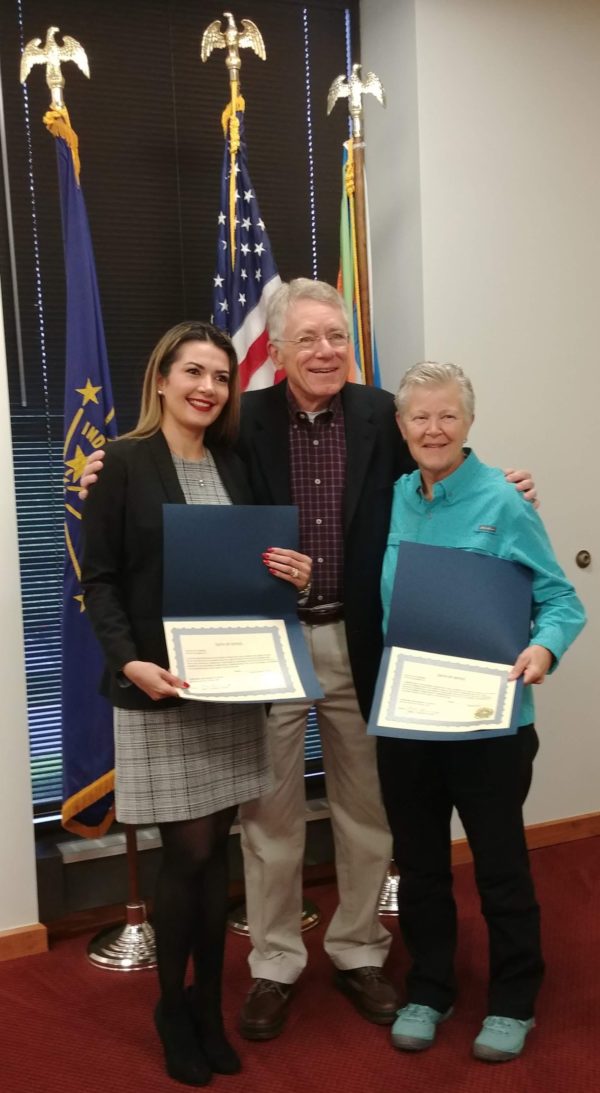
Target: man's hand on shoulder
pixel 93 465
pixel 523 481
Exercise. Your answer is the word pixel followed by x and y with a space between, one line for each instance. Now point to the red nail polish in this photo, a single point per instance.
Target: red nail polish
pixel 186 685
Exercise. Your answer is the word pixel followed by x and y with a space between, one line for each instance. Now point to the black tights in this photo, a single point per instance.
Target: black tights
pixel 190 909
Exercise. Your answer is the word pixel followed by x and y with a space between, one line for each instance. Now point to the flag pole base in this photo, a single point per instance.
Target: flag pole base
pixel 128 948
pixel 388 898
pixel 238 922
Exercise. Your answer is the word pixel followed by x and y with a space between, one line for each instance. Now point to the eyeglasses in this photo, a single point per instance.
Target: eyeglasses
pixel 337 339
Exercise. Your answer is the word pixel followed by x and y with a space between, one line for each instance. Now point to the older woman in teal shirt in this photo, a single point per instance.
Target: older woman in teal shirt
pixel 454 500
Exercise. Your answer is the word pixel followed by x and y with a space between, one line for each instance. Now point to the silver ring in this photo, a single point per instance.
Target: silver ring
pixel 295 572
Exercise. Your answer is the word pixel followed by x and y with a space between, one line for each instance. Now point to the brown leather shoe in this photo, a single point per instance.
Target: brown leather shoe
pixel 373 995
pixel 265 1009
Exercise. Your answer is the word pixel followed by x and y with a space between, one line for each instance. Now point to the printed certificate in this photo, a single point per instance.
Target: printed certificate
pixel 433 693
pixel 233 660
pixel 458 621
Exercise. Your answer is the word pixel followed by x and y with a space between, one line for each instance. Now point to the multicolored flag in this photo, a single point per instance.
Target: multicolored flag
pixel 87 731
pixel 348 275
pixel 246 274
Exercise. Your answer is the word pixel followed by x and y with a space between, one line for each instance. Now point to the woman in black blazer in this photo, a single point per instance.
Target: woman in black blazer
pixel 183 765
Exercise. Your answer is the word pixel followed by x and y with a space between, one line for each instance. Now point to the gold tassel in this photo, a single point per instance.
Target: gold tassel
pixel 230 119
pixel 58 123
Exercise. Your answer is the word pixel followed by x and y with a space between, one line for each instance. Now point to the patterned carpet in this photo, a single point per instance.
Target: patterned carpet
pixel 67 1027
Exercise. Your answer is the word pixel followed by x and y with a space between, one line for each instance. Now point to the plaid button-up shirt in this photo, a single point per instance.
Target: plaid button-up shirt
pixel 318 478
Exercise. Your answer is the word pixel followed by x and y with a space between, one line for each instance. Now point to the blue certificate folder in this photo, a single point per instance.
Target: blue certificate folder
pixel 461 604
pixel 213 569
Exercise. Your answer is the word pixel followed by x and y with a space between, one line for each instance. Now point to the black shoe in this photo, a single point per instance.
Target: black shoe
pixel 222 1057
pixel 219 1053
pixel 184 1060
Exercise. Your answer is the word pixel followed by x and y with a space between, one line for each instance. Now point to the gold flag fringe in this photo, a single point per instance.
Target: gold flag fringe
pixel 229 119
pixel 82 800
pixel 58 123
pixel 350 187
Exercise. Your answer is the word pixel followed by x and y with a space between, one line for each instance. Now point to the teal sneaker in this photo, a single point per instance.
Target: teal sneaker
pixel 501 1039
pixel 415 1027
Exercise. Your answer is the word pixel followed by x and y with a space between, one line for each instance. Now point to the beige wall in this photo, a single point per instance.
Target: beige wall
pixel 500 155
pixel 18 902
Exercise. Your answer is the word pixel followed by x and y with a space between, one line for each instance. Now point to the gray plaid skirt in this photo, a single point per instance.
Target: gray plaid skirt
pixel 188 761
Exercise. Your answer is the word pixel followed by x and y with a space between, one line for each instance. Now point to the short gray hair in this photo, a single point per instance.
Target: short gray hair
pixel 301 288
pixel 430 374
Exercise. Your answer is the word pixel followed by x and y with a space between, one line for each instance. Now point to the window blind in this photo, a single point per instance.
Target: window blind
pixel 151 146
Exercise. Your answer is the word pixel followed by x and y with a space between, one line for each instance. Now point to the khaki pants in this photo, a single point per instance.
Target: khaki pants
pixel 273 828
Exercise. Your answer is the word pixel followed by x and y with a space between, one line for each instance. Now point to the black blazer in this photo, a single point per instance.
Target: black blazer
pixel 122 564
pixel 375 457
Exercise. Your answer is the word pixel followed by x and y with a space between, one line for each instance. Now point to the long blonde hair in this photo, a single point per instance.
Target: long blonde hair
pixel 222 431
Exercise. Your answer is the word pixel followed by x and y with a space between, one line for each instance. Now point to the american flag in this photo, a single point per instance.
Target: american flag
pixel 241 292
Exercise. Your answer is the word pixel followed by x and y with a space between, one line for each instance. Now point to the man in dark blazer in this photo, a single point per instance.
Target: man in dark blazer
pixel 332 448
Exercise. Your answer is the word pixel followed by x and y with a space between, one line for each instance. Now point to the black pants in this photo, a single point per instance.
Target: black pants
pixel 487 781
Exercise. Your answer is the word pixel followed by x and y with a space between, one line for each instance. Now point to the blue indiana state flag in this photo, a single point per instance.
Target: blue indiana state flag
pixel 242 288
pixel 87 728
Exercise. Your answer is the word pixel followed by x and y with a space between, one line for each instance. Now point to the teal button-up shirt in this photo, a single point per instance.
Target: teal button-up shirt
pixel 475 508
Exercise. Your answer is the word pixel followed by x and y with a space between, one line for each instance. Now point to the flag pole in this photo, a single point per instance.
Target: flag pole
pixel 89 419
pixel 232 40
pixel 360 215
pixel 86 716
pixel 245 273
pixel 132 947
pixel 354 89
pixel 240 304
